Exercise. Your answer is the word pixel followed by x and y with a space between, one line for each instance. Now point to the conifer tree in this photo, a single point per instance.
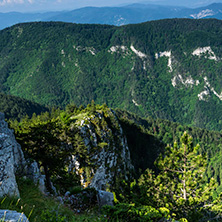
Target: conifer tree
pixel 180 185
pixel 41 140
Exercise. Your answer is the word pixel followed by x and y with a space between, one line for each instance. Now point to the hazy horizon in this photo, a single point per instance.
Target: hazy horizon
pixel 59 5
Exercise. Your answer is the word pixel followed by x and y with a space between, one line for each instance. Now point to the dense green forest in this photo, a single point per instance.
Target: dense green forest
pixel 16 108
pixel 167 72
pixel 157 133
pixel 152 69
pixel 143 196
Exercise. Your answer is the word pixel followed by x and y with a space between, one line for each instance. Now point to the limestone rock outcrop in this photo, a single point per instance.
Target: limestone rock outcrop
pixel 35 175
pixel 107 148
pixel 11 160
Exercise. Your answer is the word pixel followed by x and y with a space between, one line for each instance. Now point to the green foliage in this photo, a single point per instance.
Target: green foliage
pixel 181 187
pixel 52 216
pixel 15 108
pixel 41 141
pixel 33 203
pixel 180 184
pixel 130 212
pixel 40 62
pixel 40 208
pixel 54 139
pixel 153 133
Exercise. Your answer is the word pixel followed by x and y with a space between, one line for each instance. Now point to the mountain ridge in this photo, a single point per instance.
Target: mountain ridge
pixel 128 14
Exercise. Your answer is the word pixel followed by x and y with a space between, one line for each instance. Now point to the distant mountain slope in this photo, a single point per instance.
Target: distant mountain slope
pixel 212 11
pixel 14 107
pixel 130 14
pixel 135 13
pixel 169 69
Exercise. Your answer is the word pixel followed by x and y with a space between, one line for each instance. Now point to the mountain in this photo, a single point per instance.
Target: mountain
pixel 169 69
pixel 211 11
pixel 129 14
pixel 134 13
pixel 137 13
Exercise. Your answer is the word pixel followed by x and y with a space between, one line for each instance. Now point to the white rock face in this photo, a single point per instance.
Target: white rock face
pixel 212 89
pixel 137 52
pixel 92 50
pixel 135 103
pixel 203 14
pixel 11 160
pixel 167 54
pixel 119 49
pixel 203 95
pixel 144 65
pixel 205 50
pixel 189 81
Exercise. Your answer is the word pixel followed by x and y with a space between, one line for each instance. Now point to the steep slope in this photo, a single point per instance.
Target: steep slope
pixel 148 137
pixel 12 160
pixel 14 107
pixel 167 69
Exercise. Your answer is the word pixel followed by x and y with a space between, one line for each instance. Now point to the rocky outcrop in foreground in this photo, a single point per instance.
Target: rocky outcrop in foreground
pixel 11 160
pixel 12 216
pixel 107 149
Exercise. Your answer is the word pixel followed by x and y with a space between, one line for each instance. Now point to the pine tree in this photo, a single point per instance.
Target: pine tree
pixel 41 141
pixel 180 185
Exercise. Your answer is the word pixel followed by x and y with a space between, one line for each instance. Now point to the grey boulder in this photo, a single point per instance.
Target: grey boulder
pixel 12 216
pixel 105 198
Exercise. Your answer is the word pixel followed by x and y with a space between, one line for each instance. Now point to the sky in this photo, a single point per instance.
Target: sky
pixel 59 5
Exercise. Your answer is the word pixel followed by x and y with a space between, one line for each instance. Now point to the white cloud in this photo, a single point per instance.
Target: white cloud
pixel 14 2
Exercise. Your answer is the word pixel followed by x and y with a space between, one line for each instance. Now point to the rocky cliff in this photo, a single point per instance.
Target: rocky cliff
pixel 11 160
pixel 107 150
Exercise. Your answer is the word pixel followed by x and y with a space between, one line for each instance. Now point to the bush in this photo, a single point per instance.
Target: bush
pixel 52 216
pixel 131 213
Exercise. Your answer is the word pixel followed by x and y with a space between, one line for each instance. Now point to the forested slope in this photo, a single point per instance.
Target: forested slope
pixel 128 145
pixel 167 69
pixel 16 108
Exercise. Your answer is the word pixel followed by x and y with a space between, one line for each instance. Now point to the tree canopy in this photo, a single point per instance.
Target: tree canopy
pixel 180 184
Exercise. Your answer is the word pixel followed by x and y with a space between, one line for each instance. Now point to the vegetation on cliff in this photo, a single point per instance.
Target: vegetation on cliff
pixel 152 190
